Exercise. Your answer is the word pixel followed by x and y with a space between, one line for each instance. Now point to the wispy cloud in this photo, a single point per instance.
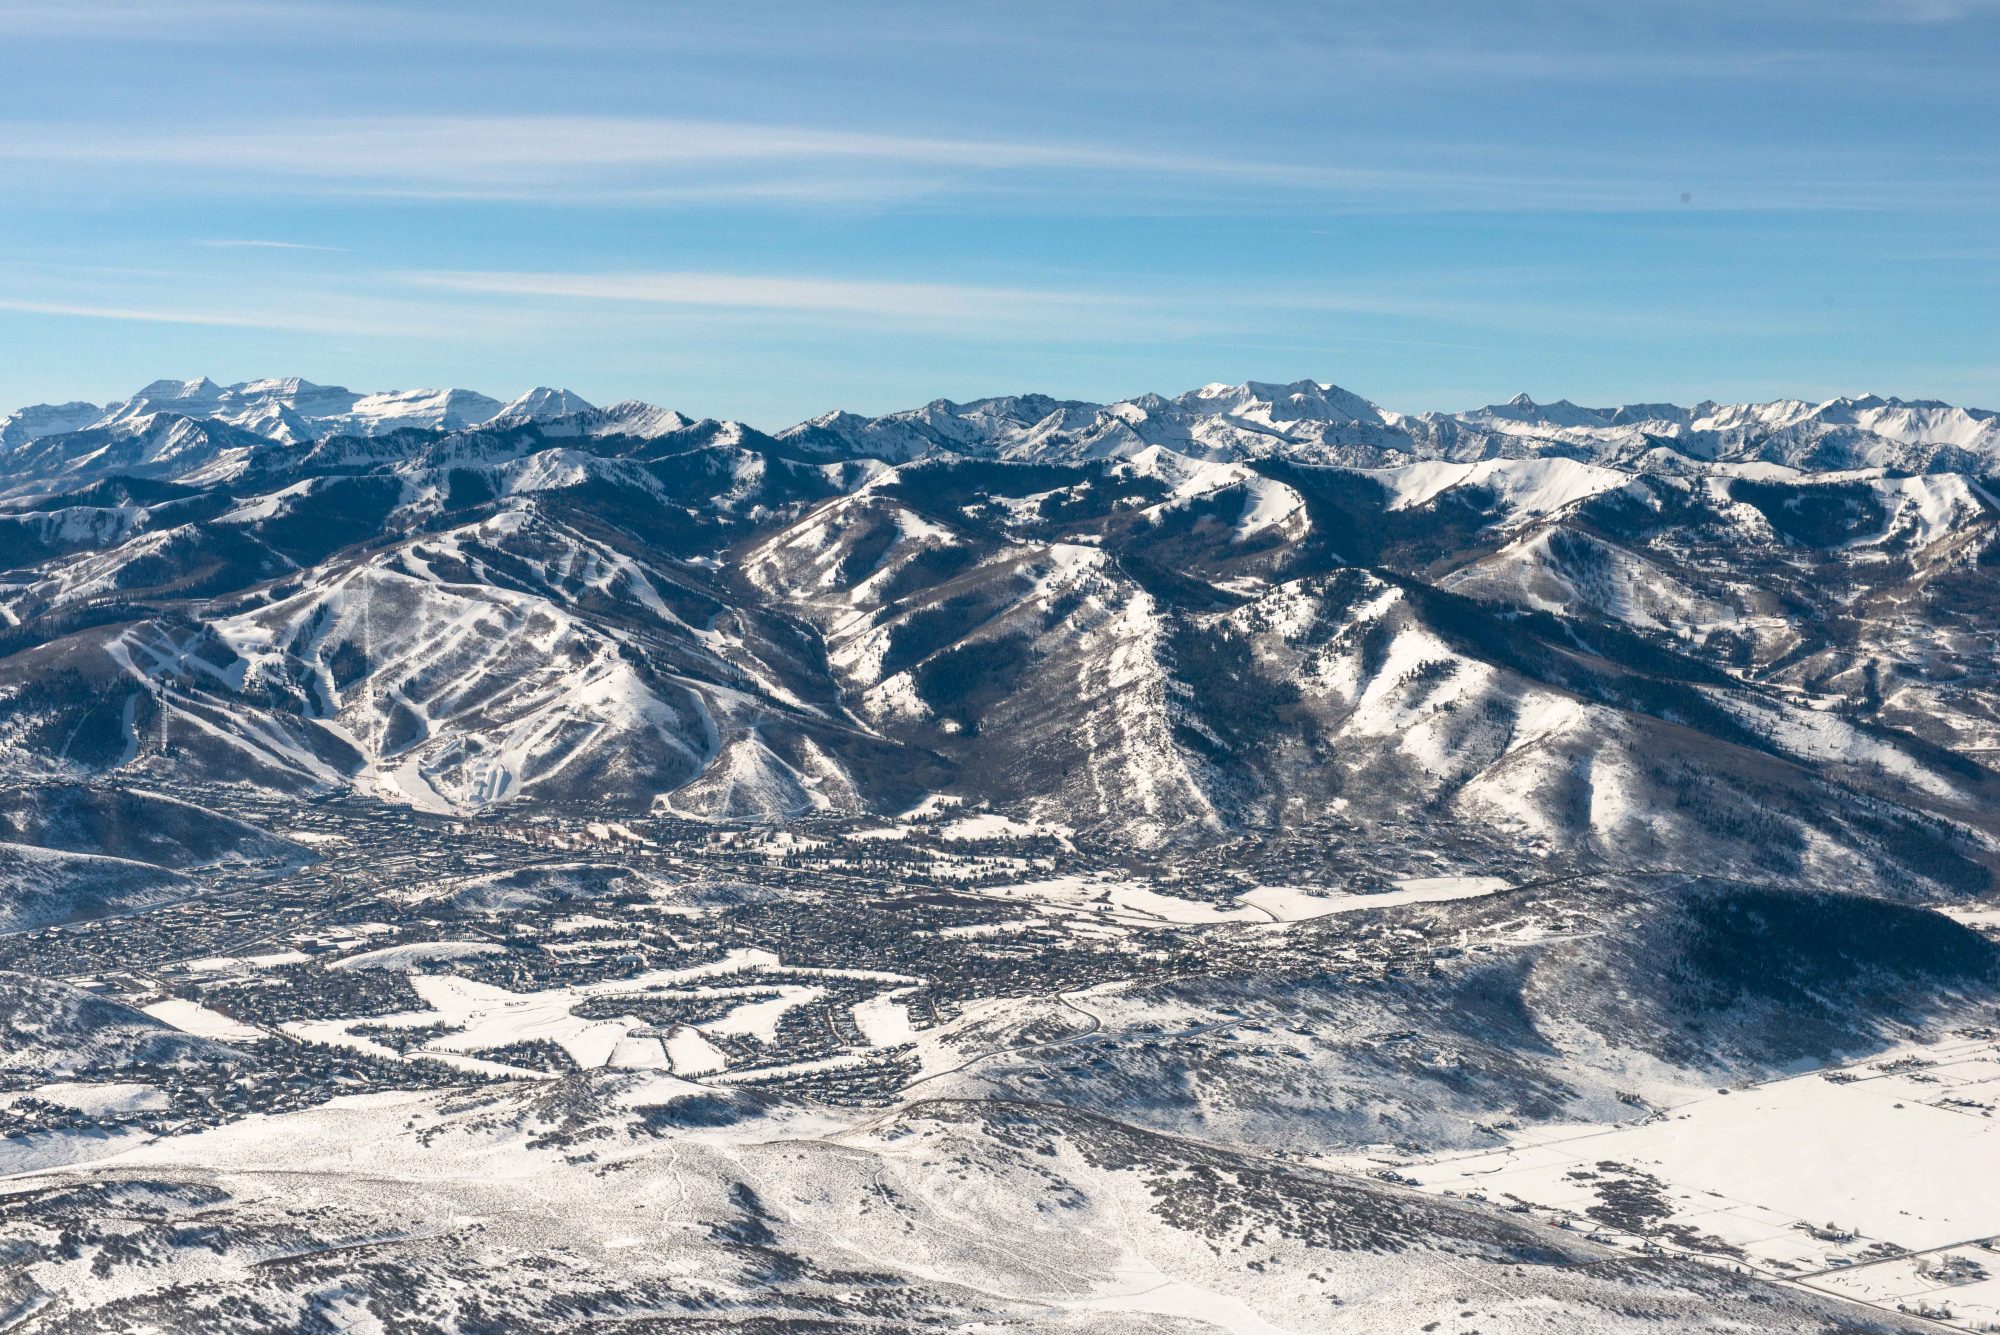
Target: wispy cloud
pixel 334 314
pixel 94 17
pixel 497 151
pixel 920 302
pixel 150 315
pixel 1138 310
pixel 667 161
pixel 199 21
pixel 247 243
pixel 1931 11
pixel 498 305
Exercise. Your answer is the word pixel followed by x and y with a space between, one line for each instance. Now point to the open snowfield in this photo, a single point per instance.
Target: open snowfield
pixel 405 959
pixel 1290 904
pixel 98 1100
pixel 1900 1154
pixel 1956 1284
pixel 193 1018
pixel 480 1016
pixel 1135 903
pixel 1137 1285
pixel 57 1149
pixel 936 1201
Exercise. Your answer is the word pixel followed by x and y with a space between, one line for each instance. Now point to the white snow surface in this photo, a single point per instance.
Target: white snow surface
pixel 193 1018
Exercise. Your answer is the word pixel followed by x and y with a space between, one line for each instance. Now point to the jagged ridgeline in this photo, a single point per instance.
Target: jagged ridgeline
pixel 1743 639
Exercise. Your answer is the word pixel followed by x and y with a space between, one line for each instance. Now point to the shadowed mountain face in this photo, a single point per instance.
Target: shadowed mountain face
pixel 1751 639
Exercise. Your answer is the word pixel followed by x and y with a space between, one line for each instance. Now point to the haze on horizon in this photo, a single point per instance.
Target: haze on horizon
pixel 774 211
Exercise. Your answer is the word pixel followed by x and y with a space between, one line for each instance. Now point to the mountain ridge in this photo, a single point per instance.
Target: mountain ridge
pixel 1303 413
pixel 1238 614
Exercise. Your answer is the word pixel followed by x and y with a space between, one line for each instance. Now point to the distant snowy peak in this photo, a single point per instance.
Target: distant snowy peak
pixel 1216 421
pixel 157 445
pixel 1005 425
pixel 542 404
pixel 1562 413
pixel 46 419
pixel 290 410
pixel 200 432
pixel 642 421
pixel 1314 422
pixel 439 409
pixel 1926 421
pixel 1922 421
pixel 1304 401
pixel 199 390
pixel 1306 421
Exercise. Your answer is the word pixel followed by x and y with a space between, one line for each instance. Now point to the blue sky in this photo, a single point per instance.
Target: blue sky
pixel 763 210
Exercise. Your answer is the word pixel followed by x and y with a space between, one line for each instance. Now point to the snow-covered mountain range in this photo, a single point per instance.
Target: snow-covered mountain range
pixel 1310 422
pixel 1307 421
pixel 1735 634
pixel 289 410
